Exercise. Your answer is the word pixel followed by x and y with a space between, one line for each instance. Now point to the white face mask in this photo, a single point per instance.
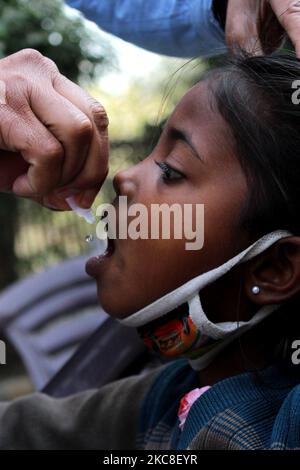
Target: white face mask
pixel 204 338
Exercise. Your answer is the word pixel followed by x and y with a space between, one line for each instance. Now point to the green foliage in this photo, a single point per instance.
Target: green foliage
pixel 51 29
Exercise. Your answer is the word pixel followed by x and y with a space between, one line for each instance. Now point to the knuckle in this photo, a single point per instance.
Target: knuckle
pixel 34 57
pixel 52 151
pixel 99 114
pixel 49 64
pixel 84 128
pixel 31 55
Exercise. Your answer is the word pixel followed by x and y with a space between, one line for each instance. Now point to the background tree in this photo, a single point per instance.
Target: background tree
pixel 57 32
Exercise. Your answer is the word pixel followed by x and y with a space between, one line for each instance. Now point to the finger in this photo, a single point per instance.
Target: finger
pixel 270 31
pixel 68 124
pixel 241 30
pixel 83 199
pixel 87 198
pixel 47 202
pixel 54 203
pixel 23 133
pixel 288 14
pixel 93 174
pixel 80 98
pixel 95 169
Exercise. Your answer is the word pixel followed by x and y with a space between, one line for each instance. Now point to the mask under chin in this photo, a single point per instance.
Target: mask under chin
pixel 175 335
pixel 186 331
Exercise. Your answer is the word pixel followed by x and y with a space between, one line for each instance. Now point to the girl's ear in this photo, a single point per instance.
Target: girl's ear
pixel 276 273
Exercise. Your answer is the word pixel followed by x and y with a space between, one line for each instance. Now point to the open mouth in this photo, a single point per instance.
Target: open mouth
pixel 110 241
pixel 110 249
pixel 97 264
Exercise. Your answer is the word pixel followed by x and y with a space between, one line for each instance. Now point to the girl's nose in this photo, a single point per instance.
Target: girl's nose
pixel 125 183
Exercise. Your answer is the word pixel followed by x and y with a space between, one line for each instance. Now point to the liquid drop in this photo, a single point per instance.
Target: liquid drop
pixel 89 238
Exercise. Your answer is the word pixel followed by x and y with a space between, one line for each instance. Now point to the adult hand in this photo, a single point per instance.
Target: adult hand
pixel 259 26
pixel 288 15
pixel 53 135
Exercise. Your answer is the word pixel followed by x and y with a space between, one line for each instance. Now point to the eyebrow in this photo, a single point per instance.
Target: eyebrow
pixel 179 134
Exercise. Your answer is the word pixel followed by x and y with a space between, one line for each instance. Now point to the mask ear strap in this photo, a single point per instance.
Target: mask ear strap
pixel 217 330
pixel 205 326
pixel 203 361
pixel 199 318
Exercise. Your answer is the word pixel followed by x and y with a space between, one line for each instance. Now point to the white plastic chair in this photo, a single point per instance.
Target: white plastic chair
pixel 48 315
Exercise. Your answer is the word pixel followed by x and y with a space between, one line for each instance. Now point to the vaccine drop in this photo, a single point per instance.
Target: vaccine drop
pixel 89 238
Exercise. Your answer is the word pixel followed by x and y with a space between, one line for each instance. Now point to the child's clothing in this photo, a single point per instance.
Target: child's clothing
pixel 248 411
pixel 187 402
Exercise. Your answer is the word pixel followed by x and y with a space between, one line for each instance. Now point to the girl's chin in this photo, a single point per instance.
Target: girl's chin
pixel 112 308
pixel 116 301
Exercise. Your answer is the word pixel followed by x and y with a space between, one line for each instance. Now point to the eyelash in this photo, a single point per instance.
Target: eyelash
pixel 167 170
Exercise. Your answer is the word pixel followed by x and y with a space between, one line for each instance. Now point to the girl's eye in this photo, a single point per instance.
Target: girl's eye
pixel 169 173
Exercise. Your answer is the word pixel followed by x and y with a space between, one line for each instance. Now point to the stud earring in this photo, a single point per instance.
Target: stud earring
pixel 255 290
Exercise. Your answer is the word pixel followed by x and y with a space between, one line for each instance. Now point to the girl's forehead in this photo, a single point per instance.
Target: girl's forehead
pixel 196 107
pixel 196 103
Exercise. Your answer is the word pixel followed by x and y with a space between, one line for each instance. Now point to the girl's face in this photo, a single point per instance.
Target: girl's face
pixel 199 166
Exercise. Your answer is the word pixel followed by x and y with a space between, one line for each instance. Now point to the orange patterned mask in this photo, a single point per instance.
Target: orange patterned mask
pixel 175 335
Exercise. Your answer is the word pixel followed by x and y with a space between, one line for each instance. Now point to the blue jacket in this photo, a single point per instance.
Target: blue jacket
pixel 180 28
pixel 249 411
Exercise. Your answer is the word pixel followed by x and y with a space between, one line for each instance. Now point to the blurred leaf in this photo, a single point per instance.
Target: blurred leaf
pixel 57 33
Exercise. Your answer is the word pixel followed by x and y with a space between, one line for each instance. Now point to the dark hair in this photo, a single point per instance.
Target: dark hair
pixel 254 96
